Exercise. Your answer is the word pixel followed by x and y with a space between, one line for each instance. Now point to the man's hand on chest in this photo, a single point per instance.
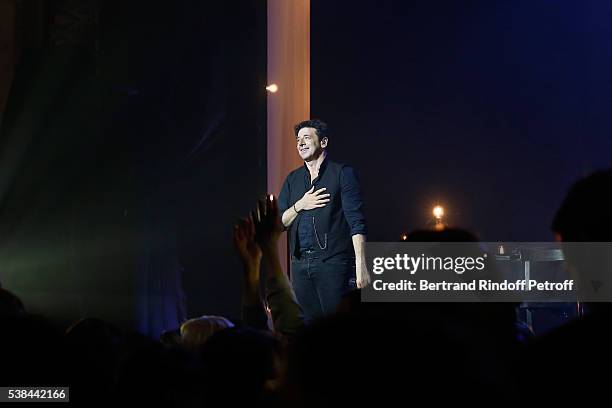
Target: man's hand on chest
pixel 312 199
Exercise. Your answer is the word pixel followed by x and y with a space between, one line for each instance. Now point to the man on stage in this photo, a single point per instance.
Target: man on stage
pixel 321 205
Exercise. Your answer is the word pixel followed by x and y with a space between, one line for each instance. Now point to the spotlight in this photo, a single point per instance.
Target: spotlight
pixel 438 212
pixel 272 88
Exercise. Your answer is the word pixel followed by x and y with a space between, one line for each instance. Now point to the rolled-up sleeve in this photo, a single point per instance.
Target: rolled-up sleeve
pixel 283 197
pixel 352 203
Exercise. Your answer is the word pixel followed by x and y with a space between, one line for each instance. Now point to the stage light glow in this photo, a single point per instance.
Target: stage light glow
pixel 404 237
pixel 271 197
pixel 272 88
pixel 438 212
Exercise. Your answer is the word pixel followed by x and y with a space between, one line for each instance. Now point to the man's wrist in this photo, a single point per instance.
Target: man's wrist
pixel 361 265
pixel 296 207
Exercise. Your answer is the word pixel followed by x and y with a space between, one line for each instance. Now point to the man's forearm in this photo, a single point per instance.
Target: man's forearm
pixel 359 241
pixel 361 268
pixel 290 214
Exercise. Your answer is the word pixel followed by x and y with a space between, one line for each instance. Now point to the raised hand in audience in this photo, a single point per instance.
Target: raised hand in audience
pixel 250 253
pixel 268 224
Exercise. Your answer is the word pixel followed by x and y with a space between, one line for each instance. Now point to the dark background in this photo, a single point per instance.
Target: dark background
pixel 135 136
pixel 491 108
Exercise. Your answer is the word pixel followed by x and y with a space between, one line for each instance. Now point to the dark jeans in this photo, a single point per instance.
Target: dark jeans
pixel 319 285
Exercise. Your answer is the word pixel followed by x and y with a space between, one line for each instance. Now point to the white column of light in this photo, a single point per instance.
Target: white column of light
pixel 289 99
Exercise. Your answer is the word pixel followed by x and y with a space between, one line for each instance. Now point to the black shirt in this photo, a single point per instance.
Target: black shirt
pixel 327 230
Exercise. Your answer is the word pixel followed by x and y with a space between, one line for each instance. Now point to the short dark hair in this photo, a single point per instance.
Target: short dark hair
pixel 319 126
pixel 585 213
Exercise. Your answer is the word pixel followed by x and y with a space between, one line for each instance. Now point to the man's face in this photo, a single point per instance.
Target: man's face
pixel 308 144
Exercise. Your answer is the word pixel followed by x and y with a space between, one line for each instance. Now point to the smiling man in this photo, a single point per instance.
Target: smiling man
pixel 321 206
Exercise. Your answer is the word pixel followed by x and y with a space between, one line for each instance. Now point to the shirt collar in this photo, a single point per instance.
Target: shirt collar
pixel 323 165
